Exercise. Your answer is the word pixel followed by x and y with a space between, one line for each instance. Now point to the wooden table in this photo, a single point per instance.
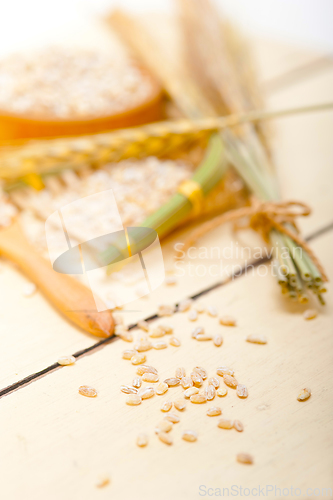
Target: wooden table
pixel 57 444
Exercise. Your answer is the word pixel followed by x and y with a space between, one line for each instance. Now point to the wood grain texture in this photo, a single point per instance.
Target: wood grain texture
pixel 64 442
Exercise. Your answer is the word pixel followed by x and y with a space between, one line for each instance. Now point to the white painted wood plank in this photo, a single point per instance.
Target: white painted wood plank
pixel 59 443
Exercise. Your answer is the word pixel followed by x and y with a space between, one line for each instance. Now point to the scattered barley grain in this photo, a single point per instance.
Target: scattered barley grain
pixel 66 360
pixel 87 391
pixel 150 377
pixel 189 436
pixel 225 424
pixel 172 382
pixel 198 398
pixel 242 391
pixel 304 394
pixel 165 437
pixel 244 458
pixel 166 406
pixel 161 388
pixel 238 426
pixel 214 411
pixel 138 358
pixel 142 440
pixel 227 321
pixel 133 400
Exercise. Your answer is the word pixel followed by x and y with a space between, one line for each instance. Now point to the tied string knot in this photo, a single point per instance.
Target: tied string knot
pixel 263 216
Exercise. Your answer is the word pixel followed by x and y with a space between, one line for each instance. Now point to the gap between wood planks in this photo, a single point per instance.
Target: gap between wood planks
pixel 98 345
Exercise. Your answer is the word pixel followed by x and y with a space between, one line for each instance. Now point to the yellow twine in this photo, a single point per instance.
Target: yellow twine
pixel 193 192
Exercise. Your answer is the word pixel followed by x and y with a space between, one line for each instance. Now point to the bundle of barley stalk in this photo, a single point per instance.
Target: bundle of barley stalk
pixel 217 78
pixel 227 87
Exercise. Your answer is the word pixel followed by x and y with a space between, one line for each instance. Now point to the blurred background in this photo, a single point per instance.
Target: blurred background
pixel 31 24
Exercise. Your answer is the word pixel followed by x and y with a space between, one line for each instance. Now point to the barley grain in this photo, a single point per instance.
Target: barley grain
pixel 138 358
pixel 103 481
pixel 304 394
pixel 160 345
pixel 163 426
pixel 256 339
pixel 127 389
pixel 201 371
pixel 165 310
pixel 198 398
pixel 142 440
pixel 310 314
pixel 166 406
pixel 227 321
pixel 145 368
pixel 203 337
pixel 161 388
pixel 198 330
pixel 157 332
pixel 224 370
pixel 189 392
pixel 238 426
pixel 175 342
pixel 87 391
pixel 189 436
pixel 193 315
pixel 165 437
pixel 214 411
pixel 212 311
pixel 143 345
pixel 180 373
pixel 222 391
pixel 133 400
pixel 196 379
pixel 230 381
pixel 137 382
pixel 129 353
pixel 167 329
pixel 218 340
pixel 185 305
pixel 179 404
pixel 242 391
pixel 210 392
pixel 225 424
pixel 66 360
pixel 126 336
pixel 214 381
pixel 172 418
pixel 186 382
pixel 146 392
pixel 244 458
pixel 172 382
pixel 170 280
pixel 150 377
pixel 143 325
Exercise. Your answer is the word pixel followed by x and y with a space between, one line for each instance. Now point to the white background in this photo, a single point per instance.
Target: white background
pixel 26 24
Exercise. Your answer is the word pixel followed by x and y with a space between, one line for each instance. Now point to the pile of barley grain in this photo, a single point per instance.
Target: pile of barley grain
pixel 71 84
pixel 140 187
